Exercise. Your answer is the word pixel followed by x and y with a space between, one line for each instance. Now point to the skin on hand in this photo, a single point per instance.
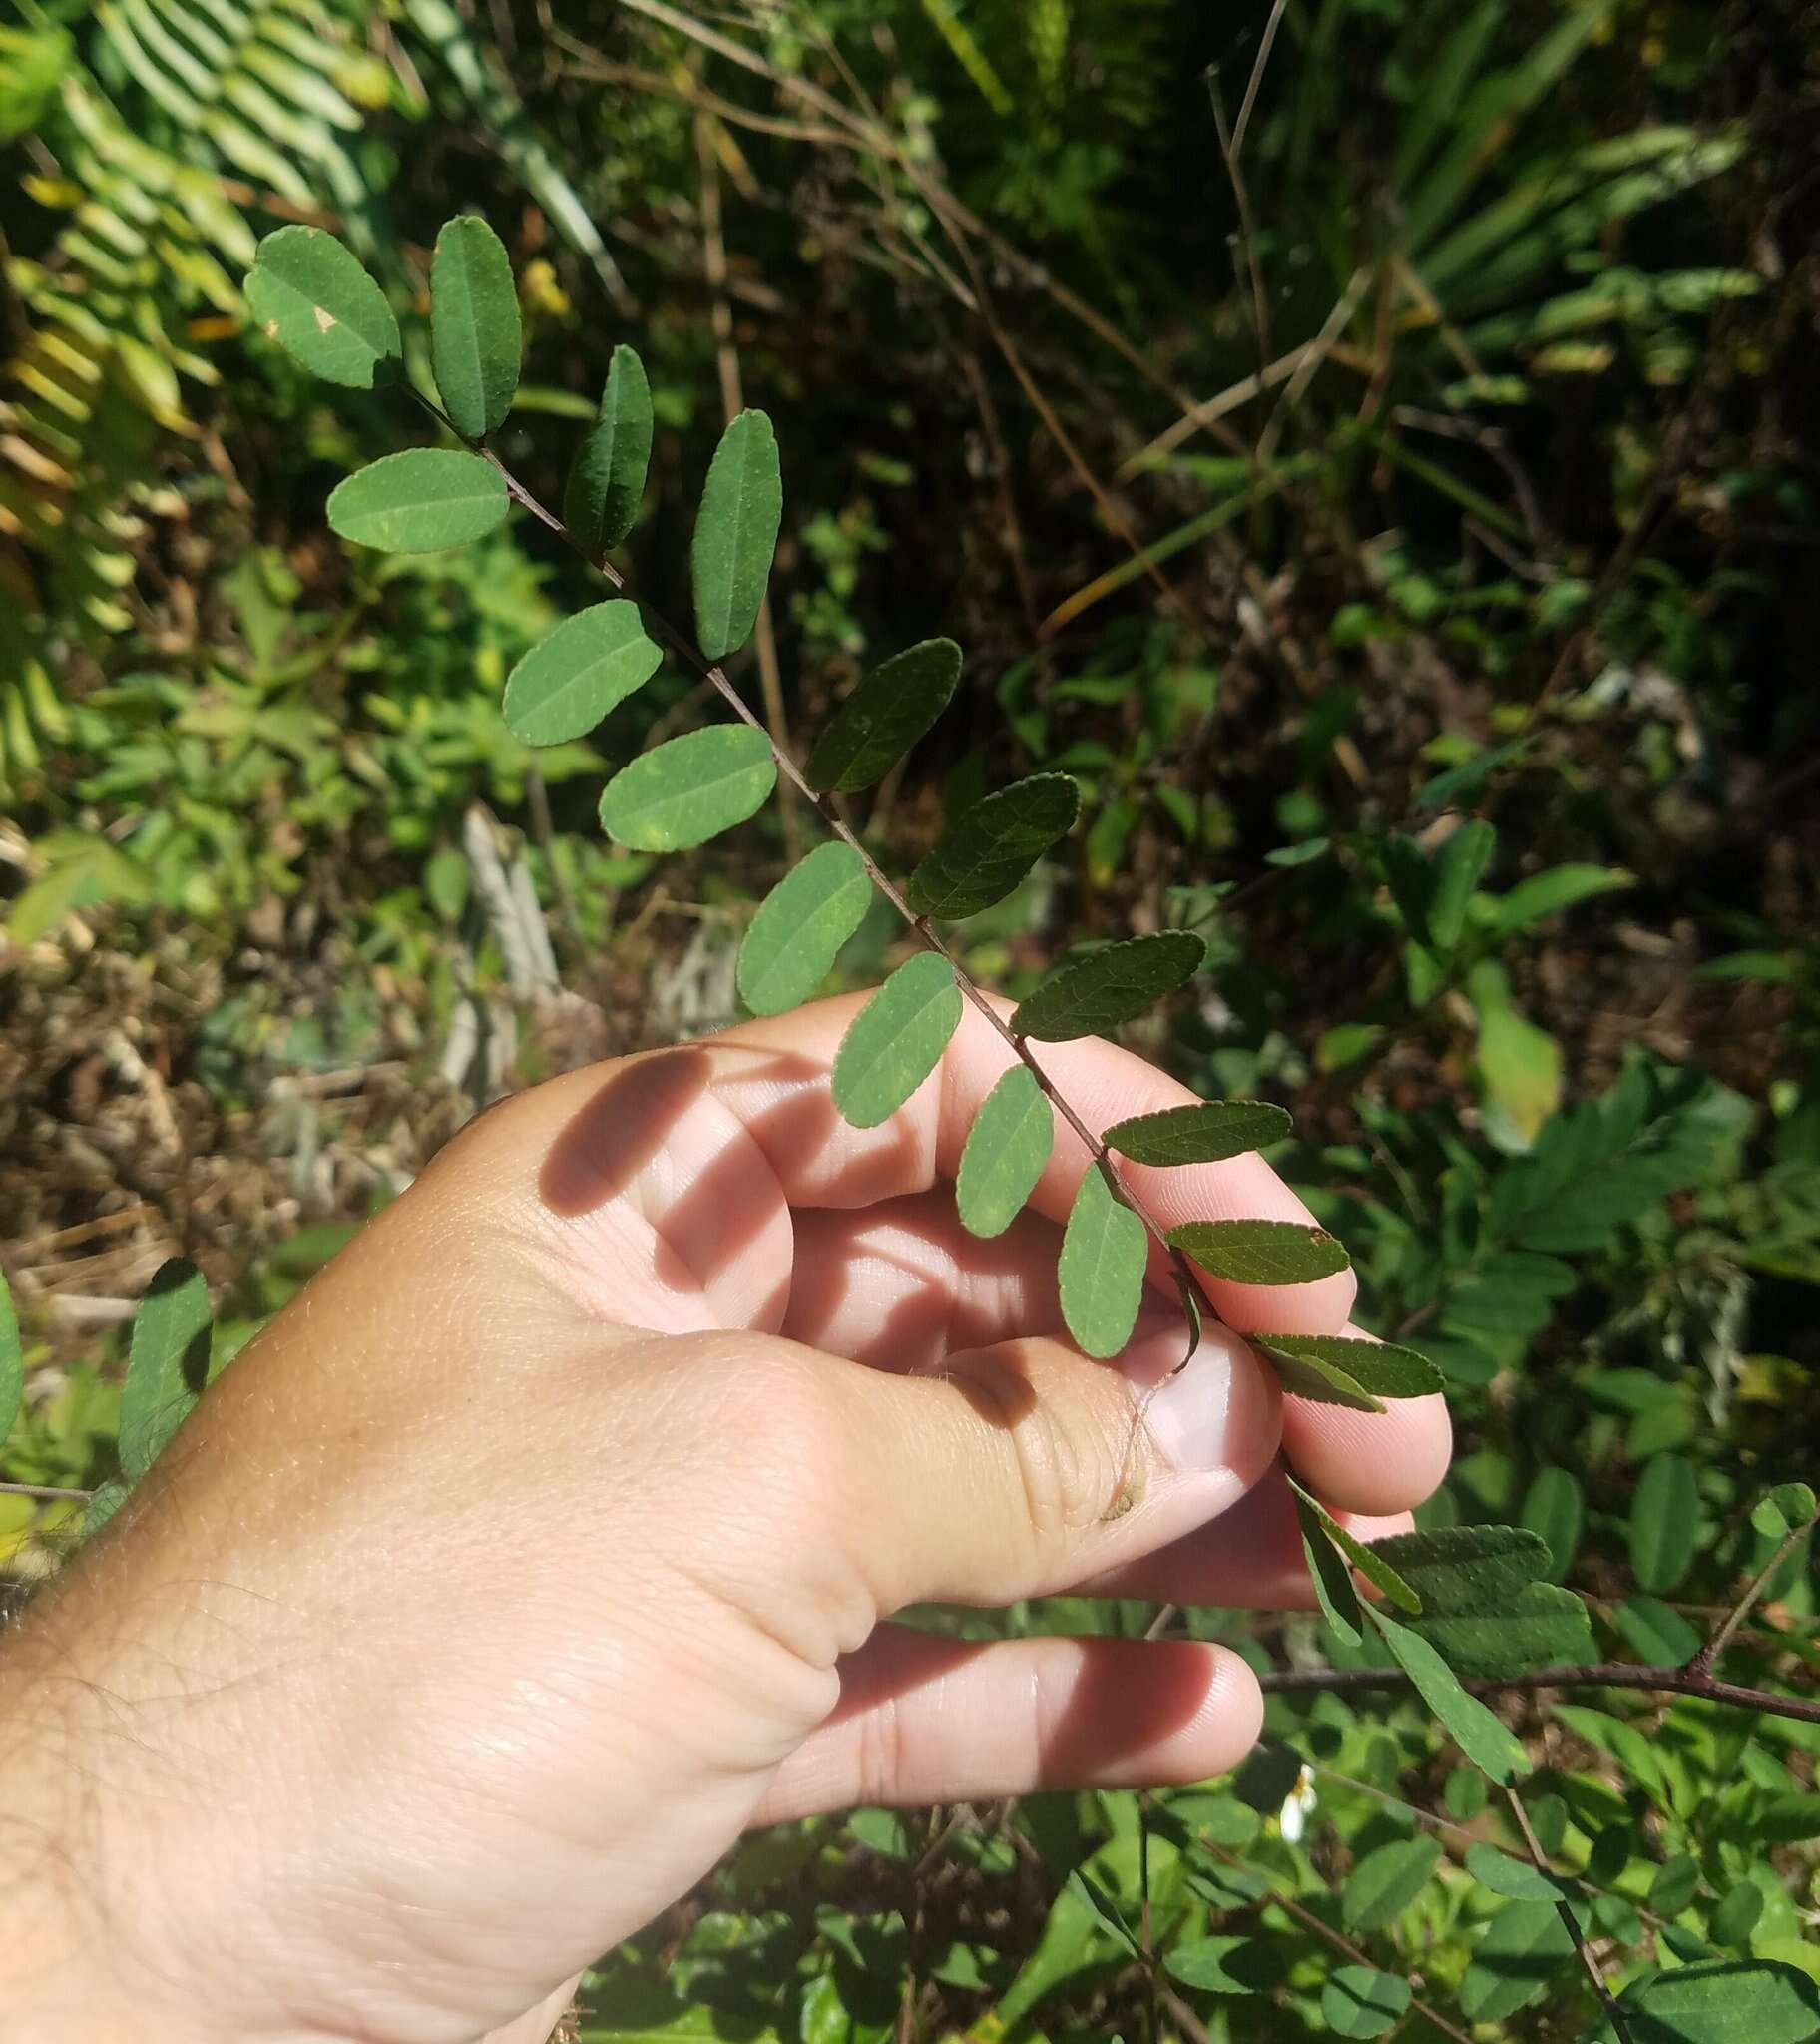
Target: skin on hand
pixel 543 1544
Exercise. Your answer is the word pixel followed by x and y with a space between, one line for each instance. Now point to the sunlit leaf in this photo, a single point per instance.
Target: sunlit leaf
pixel 988 849
pixel 1665 1523
pixel 1338 1370
pixel 475 340
pixel 737 533
pixel 1736 1917
pixel 307 292
pixel 1007 1148
pixel 1262 1252
pixel 1787 1506
pixel 421 501
pixel 167 1364
pixel 1203 1134
pixel 884 717
pixel 1101 1272
pixel 1359 2002
pixel 1725 2001
pixel 1384 1883
pixel 1483 1738
pixel 896 1040
pixel 1539 1626
pixel 1506 1876
pixel 1108 986
pixel 690 788
pixel 574 675
pixel 607 478
pixel 1516 1960
pixel 1207 1964
pixel 800 926
pixel 1466 1568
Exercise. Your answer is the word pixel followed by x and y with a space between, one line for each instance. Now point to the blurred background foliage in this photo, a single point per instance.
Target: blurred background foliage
pixel 1370 443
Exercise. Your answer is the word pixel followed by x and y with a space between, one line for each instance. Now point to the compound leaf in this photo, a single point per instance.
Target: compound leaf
pixel 309 293
pixel 737 533
pixel 1108 986
pixel 1007 1148
pixel 607 478
pixel 884 717
pixel 896 1040
pixel 688 789
pixel 800 926
pixel 475 338
pixel 988 851
pixel 419 501
pixel 167 1364
pixel 1101 1272
pixel 574 675
pixel 1263 1252
pixel 1203 1134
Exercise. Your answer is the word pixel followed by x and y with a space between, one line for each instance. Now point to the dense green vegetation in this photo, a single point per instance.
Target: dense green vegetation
pixel 1453 690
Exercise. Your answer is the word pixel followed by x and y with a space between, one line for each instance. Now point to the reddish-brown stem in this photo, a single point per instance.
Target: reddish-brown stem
pixel 1684 1682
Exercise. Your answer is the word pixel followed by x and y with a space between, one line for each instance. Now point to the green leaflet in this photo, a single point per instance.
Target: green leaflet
pixel 1358 2001
pixel 1369 1561
pixel 1108 986
pixel 988 851
pixel 688 789
pixel 1506 1876
pixel 1554 1506
pixel 1787 1506
pixel 1540 1626
pixel 1338 1370
pixel 1458 865
pixel 1101 1272
pixel 1665 1523
pixel 1207 1964
pixel 1384 1883
pixel 1006 1150
pixel 1483 1738
pixel 607 478
pixel 1723 2001
pixel 167 1366
pixel 12 1364
pixel 474 330
pixel 1334 1590
pixel 420 502
pixel 884 717
pixel 800 926
pixel 1656 1633
pixel 574 675
pixel 1516 1960
pixel 1262 1252
pixel 310 295
pixel 1204 1133
pixel 737 533
pixel 896 1040
pixel 1466 1568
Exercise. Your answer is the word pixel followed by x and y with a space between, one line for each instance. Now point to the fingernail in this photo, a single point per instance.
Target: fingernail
pixel 1191 1415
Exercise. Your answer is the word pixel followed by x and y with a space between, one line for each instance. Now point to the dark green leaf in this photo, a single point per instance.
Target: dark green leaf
pixel 1338 1370
pixel 1725 2001
pixel 12 1364
pixel 1790 1820
pixel 1541 1626
pixel 1108 986
pixel 884 717
pixel 1199 1135
pixel 1665 1522
pixel 1205 1964
pixel 1358 2003
pixel 896 1040
pixel 1456 867
pixel 1262 1253
pixel 800 926
pixel 688 789
pixel 167 1364
pixel 1007 1148
pixel 1485 1740
pixel 1386 1882
pixel 1736 1917
pixel 574 675
pixel 1656 1633
pixel 1677 1882
pixel 1456 1569
pixel 990 848
pixel 1505 1876
pixel 1101 1272
pixel 474 331
pixel 1370 1561
pixel 1104 1909
pixel 737 533
pixel 420 502
pixel 1334 1589
pixel 607 478
pixel 310 295
pixel 1465 1794
pixel 1555 1507
pixel 1519 1956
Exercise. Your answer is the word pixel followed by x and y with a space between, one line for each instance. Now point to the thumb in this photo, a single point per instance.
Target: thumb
pixel 1022 1469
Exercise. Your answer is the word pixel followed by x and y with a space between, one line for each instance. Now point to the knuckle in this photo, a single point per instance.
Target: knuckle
pixel 1061 1459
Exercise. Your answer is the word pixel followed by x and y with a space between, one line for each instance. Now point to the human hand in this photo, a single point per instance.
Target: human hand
pixel 541 1545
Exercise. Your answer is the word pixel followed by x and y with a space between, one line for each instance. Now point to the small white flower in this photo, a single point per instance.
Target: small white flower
pixel 1292 1819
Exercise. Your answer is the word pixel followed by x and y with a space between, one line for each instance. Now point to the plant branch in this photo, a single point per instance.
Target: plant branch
pixel 50 1493
pixel 1564 1910
pixel 1703 1662
pixel 1686 1681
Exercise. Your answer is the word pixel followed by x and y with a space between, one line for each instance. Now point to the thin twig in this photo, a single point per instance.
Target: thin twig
pixel 50 1493
pixel 1564 1910
pixel 1683 1682
pixel 1703 1662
